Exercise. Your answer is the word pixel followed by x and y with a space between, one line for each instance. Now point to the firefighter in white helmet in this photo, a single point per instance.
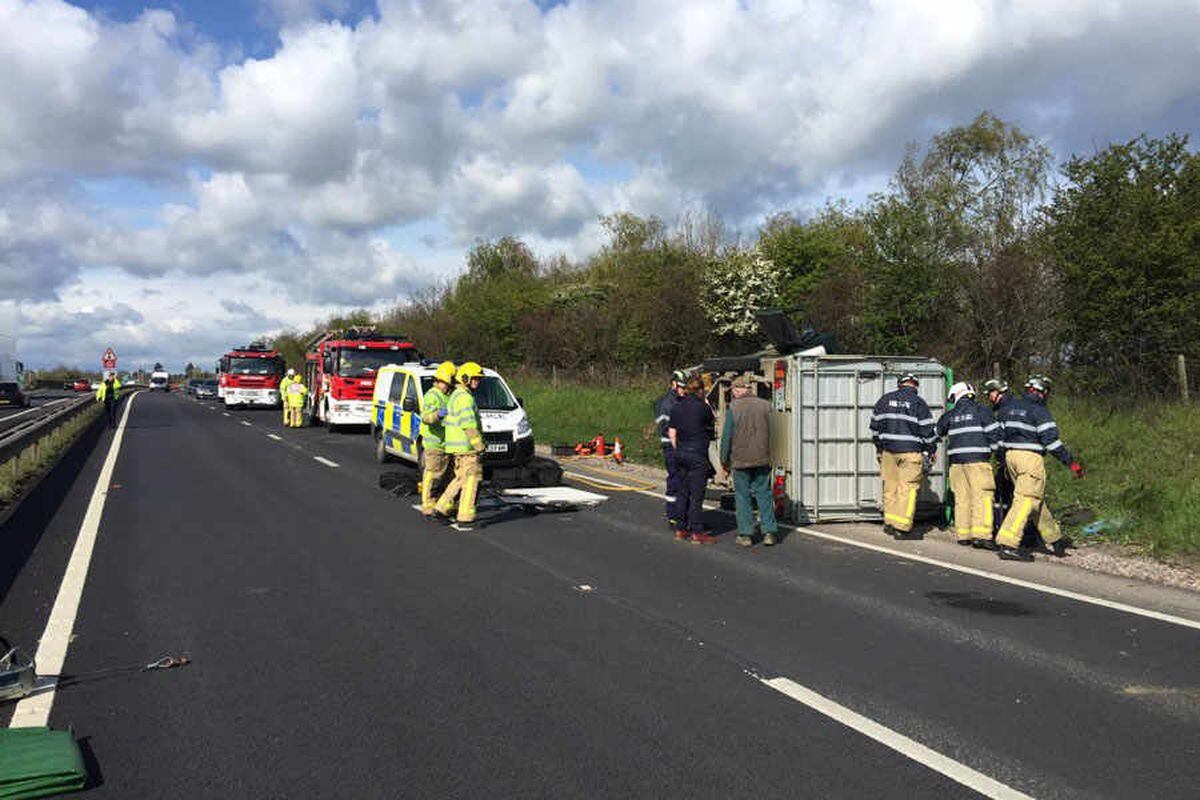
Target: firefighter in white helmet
pixel 971 436
pixel 288 379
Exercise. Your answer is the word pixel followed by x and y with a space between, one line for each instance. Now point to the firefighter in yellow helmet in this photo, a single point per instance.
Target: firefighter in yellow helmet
pixel 287 381
pixel 293 400
pixel 435 405
pixel 464 443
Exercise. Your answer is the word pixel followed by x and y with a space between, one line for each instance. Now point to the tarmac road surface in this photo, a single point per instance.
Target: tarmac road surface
pixel 343 647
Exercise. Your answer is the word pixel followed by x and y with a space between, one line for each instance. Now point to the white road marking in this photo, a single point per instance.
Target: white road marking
pixel 247 424
pixel 34 711
pixel 980 573
pixel 273 436
pixel 226 414
pixel 954 770
pixel 325 461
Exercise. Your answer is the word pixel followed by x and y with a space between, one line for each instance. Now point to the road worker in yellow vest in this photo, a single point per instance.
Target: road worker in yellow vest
pixel 435 405
pixel 294 402
pixel 464 443
pixel 283 386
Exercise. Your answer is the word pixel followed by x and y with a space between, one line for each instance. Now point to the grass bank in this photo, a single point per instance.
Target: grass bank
pixel 1143 460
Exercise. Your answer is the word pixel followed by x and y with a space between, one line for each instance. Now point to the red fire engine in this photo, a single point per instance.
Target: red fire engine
pixel 340 368
pixel 250 377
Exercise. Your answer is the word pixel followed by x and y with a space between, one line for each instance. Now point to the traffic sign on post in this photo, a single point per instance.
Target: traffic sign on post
pixel 110 359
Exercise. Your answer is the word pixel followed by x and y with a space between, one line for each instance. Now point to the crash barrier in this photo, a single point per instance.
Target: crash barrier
pixel 24 436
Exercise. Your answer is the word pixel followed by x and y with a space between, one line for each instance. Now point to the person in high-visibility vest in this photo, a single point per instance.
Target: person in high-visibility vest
pixel 435 405
pixel 294 402
pixel 283 385
pixel 108 393
pixel 464 443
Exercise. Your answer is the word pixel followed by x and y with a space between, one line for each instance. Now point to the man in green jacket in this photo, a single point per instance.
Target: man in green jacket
pixel 746 450
pixel 108 393
pixel 435 405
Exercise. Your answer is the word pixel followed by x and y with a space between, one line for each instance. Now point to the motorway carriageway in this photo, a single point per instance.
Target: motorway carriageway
pixel 343 647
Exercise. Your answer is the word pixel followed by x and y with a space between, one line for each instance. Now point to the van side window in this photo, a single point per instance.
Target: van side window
pixel 394 391
pixel 408 386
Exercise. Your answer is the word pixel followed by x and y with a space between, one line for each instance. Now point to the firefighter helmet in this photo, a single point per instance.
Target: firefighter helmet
pixel 468 371
pixel 445 372
pixel 1039 383
pixel 907 377
pixel 995 385
pixel 960 390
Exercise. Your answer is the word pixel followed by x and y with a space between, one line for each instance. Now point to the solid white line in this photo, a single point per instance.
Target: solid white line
pixel 273 436
pixel 247 424
pixel 954 770
pixel 325 461
pixel 34 711
pixel 981 573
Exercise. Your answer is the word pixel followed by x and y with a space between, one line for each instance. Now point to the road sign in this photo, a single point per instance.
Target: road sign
pixel 110 359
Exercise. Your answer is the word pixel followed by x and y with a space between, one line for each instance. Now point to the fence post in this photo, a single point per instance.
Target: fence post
pixel 554 375
pixel 1181 371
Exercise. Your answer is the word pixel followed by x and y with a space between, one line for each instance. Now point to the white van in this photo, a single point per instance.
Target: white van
pixel 396 416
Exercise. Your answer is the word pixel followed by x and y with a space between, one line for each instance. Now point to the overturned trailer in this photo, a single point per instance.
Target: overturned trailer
pixel 822 454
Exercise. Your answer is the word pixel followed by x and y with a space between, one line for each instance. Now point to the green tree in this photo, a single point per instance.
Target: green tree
pixel 1125 234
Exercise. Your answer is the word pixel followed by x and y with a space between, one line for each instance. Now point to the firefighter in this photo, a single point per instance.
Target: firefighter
pixel 971 435
pixel 902 427
pixel 283 386
pixel 294 402
pixel 1029 432
pixel 434 407
pixel 108 393
pixel 464 443
pixel 662 418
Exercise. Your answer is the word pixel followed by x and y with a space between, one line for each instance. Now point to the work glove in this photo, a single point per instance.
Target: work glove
pixel 477 445
pixel 441 413
pixel 1077 468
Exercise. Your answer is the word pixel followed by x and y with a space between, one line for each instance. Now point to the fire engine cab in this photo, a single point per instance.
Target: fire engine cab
pixel 250 377
pixel 340 369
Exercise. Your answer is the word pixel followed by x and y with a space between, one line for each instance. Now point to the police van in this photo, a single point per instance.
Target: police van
pixel 396 416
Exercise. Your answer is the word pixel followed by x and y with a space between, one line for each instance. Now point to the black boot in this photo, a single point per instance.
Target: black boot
pixel 1059 548
pixel 1015 554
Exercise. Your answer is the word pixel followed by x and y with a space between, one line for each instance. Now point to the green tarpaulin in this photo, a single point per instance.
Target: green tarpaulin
pixel 38 762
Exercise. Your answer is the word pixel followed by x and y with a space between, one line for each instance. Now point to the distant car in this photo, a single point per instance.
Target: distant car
pixel 82 385
pixel 11 395
pixel 204 388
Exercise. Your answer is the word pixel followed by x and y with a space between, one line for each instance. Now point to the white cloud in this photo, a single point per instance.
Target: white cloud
pixel 489 117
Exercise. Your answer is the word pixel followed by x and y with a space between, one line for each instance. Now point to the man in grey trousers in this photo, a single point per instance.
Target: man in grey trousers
pixel 746 451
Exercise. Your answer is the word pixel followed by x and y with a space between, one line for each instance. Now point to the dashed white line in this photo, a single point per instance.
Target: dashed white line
pixel 980 573
pixel 226 414
pixel 326 461
pixel 34 710
pixel 247 424
pixel 273 436
pixel 954 770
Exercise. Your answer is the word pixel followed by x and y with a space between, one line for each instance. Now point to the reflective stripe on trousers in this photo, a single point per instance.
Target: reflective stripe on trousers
pixel 974 487
pixel 901 473
pixel 437 464
pixel 1027 470
pixel 468 474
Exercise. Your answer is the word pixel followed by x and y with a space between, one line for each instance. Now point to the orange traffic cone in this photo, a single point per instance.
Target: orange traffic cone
pixel 598 445
pixel 618 452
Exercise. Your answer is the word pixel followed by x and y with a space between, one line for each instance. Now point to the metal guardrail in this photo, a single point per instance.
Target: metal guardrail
pixel 26 429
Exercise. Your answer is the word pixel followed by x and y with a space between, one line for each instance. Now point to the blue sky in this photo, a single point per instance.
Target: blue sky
pixel 159 162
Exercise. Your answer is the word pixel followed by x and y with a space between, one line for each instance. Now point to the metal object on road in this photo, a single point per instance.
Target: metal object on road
pixel 18 673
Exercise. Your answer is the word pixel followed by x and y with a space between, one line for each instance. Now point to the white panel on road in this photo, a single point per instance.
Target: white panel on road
pixel 554 495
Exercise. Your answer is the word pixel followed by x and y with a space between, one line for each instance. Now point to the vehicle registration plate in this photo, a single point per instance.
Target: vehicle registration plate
pixel 497 448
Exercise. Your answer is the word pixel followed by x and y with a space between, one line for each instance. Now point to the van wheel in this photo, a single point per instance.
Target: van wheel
pixel 381 453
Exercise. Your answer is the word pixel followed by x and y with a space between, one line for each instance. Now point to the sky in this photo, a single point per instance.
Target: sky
pixel 177 178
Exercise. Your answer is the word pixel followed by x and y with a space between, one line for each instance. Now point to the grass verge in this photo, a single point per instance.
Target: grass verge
pixel 1142 460
pixel 19 471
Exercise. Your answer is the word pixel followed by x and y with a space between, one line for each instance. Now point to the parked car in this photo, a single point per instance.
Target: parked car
pixel 82 385
pixel 11 395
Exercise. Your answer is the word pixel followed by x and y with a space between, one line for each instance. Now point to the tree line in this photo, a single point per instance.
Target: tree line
pixel 980 252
